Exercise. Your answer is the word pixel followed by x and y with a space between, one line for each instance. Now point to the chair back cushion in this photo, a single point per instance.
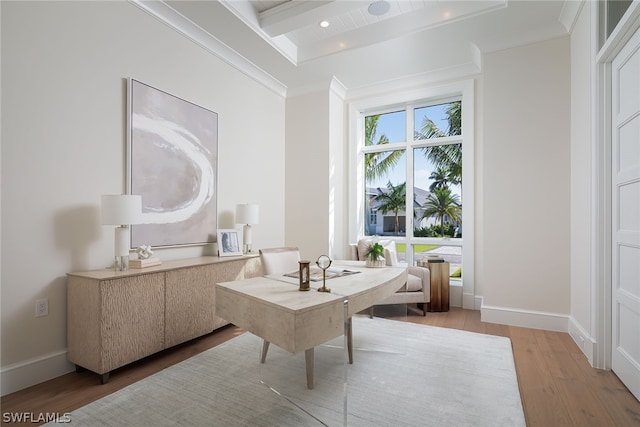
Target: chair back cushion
pixel 279 260
pixel 391 255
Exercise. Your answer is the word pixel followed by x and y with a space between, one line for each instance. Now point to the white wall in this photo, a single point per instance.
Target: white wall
pixel 338 173
pixel 307 173
pixel 316 173
pixel 525 187
pixel 581 170
pixel 64 70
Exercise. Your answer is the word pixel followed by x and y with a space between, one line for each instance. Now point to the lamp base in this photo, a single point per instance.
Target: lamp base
pixel 121 263
pixel 247 238
pixel 122 248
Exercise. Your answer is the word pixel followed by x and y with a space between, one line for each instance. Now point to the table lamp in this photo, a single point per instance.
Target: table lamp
pixel 247 214
pixel 121 210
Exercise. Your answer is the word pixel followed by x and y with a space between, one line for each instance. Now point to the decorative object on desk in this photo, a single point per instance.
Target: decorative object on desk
pixel 316 274
pixel 172 156
pixel 229 243
pixel 144 258
pixel 373 256
pixel 324 262
pixel 304 275
pixel 121 210
pixel 144 263
pixel 247 214
pixel 144 252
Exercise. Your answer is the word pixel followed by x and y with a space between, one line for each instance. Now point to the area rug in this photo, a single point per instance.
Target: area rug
pixel 403 374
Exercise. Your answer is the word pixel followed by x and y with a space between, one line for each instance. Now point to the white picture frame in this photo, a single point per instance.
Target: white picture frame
pixel 172 162
pixel 229 242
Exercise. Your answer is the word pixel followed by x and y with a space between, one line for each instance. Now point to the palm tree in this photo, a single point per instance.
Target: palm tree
pixel 377 164
pixel 454 116
pixel 440 177
pixel 441 203
pixel 449 157
pixel 392 200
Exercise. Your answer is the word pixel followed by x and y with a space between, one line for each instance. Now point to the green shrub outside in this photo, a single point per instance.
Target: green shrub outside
pixel 434 231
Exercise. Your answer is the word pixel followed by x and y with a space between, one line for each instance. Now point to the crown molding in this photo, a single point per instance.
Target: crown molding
pixel 170 17
pixel 524 38
pixel 428 78
pixel 337 87
pixel 570 12
pixel 323 86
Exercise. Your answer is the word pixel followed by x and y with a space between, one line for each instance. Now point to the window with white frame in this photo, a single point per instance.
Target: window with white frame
pixel 412 171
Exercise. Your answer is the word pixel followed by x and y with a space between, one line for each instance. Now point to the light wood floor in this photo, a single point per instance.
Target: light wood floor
pixel 557 385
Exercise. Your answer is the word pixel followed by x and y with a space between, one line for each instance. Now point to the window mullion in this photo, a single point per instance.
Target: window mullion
pixel 432 142
pixel 410 184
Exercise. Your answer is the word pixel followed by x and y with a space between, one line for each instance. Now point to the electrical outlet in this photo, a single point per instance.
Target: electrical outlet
pixel 42 307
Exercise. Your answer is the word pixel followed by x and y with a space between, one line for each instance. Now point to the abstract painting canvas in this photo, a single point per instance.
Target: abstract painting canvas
pixel 172 154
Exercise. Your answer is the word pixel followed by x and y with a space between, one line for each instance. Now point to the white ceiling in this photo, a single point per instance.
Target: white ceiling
pixel 423 39
pixel 294 25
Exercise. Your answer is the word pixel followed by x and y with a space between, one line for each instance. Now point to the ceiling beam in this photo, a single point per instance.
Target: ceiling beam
pixel 296 14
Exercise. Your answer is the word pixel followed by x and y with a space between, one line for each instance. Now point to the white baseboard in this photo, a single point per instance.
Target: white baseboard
pixel 457 297
pixel 542 320
pixel 21 375
pixel 525 318
pixel 582 338
pixel 455 294
pixel 471 302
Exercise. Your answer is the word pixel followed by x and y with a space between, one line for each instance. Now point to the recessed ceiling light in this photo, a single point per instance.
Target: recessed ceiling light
pixel 324 24
pixel 379 7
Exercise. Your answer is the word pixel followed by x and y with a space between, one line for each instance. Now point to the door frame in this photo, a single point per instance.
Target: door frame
pixel 601 235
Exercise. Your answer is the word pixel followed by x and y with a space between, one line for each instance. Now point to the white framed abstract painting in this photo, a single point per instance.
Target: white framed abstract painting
pixel 172 153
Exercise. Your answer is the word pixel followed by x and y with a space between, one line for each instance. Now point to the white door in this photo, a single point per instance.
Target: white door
pixel 625 198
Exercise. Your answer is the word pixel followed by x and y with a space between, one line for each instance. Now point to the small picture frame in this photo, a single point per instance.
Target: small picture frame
pixel 229 243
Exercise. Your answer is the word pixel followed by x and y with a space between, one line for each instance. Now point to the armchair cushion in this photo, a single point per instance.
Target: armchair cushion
pixel 414 283
pixel 424 280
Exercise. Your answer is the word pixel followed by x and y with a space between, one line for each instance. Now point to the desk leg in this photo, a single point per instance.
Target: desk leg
pixel 308 357
pixel 350 340
pixel 265 348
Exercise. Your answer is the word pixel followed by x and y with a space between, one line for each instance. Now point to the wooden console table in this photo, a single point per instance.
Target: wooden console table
pixel 117 317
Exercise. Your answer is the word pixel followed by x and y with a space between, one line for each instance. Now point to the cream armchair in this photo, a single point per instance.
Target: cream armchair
pixel 418 287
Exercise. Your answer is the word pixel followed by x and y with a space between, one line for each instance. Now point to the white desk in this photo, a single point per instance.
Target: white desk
pixel 273 308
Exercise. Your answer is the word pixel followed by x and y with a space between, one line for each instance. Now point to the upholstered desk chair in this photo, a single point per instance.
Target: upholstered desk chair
pixel 285 260
pixel 279 260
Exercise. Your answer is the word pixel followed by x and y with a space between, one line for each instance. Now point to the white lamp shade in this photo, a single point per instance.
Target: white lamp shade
pixel 247 213
pixel 121 209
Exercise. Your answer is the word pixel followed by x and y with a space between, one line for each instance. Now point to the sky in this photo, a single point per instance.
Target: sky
pixel 393 126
